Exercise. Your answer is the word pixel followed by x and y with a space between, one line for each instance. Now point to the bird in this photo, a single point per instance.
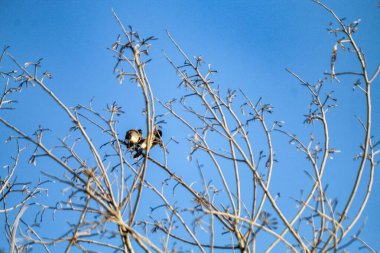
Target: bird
pixel 142 144
pixel 132 138
pixel 157 137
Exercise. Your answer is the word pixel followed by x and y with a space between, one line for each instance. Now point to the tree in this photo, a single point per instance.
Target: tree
pixel 113 201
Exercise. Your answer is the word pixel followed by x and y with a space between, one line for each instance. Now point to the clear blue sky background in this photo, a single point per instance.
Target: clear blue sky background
pixel 250 43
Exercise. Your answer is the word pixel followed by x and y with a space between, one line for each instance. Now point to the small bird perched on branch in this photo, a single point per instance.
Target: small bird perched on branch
pixel 157 137
pixel 142 145
pixel 132 138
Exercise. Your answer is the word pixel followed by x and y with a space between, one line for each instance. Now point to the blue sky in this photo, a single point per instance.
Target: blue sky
pixel 250 43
